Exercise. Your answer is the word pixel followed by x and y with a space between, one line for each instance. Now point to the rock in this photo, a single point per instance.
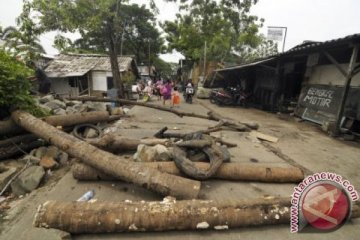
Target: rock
pixel 48 163
pixel 71 110
pixel 6 174
pixel 28 180
pixel 45 107
pixel 116 111
pixel 46 99
pixel 96 106
pixel 151 154
pixel 162 153
pixel 79 107
pixel 40 152
pixel 33 160
pixel 62 158
pixel 126 110
pixel 90 133
pixel 145 154
pixel 59 111
pixel 55 104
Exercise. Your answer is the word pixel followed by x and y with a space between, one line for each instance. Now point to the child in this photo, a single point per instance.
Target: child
pixel 175 97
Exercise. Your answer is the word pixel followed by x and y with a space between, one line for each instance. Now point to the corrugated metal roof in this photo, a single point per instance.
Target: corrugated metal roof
pixel 71 65
pixel 245 65
pixel 304 47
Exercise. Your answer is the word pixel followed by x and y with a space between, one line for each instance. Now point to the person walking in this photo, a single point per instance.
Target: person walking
pixel 175 98
pixel 166 92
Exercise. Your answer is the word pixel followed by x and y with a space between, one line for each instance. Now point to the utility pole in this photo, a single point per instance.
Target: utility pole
pixel 204 71
pixel 149 60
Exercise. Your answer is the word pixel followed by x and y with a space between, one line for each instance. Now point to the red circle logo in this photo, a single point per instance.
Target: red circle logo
pixel 325 206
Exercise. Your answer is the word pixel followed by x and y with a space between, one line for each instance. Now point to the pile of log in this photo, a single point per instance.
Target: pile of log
pixel 196 156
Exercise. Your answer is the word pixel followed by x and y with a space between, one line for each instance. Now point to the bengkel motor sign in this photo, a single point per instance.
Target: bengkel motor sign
pixel 322 202
pixel 319 97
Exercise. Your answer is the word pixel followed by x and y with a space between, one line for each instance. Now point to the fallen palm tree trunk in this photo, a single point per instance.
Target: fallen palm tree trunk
pixel 116 144
pixel 111 217
pixel 18 139
pixel 227 171
pixel 106 217
pixel 210 116
pixel 9 127
pixel 118 167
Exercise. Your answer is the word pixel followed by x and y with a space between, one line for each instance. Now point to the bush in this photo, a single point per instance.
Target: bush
pixel 15 87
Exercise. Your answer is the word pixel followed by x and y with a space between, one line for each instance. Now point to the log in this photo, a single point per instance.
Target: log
pixel 110 217
pixel 17 139
pixel 9 127
pixel 79 118
pixel 19 149
pixel 211 115
pixel 152 179
pixel 116 144
pixel 227 171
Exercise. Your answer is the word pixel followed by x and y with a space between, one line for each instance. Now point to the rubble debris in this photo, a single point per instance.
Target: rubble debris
pixel 114 143
pixel 55 104
pixel 263 136
pixel 84 131
pixel 116 166
pixel 227 171
pixel 105 217
pixel 28 180
pixel 87 196
pixel 152 153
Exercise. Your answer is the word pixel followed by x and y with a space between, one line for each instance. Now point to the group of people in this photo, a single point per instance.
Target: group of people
pixel 164 90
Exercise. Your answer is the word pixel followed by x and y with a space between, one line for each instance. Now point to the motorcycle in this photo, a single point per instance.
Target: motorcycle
pixel 188 94
pixel 229 96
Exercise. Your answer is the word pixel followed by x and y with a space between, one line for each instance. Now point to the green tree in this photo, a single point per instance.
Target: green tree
pixel 87 16
pixel 138 28
pixel 22 41
pixel 226 26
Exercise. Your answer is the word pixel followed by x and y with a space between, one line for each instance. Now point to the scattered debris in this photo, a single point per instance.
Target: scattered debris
pixel 263 136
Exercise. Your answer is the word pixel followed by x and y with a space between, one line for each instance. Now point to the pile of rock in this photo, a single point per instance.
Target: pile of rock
pixel 64 107
pixel 40 160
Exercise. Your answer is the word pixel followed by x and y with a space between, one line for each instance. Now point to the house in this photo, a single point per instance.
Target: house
pixel 147 72
pixel 78 74
pixel 318 81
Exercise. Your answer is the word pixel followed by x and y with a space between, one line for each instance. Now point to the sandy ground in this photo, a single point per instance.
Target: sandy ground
pixel 302 142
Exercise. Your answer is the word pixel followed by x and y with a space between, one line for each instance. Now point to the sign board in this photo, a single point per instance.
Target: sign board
pixel 275 34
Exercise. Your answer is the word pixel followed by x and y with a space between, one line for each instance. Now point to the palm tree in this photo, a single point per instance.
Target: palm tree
pixel 21 44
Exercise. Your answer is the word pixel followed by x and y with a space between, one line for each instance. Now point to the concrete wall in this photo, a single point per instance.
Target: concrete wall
pixel 330 75
pixel 61 86
pixel 99 82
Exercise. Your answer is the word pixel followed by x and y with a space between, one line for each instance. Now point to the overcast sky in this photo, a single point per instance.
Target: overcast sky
pixel 317 20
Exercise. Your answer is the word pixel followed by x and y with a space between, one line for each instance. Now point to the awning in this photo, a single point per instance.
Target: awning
pixel 65 74
pixel 245 65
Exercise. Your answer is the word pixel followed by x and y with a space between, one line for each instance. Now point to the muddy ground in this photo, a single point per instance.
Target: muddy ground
pixel 303 143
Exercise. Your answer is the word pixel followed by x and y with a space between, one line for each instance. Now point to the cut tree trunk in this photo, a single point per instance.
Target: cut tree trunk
pixel 211 115
pixel 116 166
pixel 227 171
pixel 111 217
pixel 116 144
pixel 19 149
pixel 9 127
pixel 18 139
pixel 106 217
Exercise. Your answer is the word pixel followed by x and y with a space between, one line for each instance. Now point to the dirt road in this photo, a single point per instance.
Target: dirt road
pixel 303 143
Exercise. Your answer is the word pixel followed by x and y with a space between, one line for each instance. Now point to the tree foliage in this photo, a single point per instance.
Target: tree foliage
pixel 22 41
pixel 14 85
pixel 226 26
pixel 100 18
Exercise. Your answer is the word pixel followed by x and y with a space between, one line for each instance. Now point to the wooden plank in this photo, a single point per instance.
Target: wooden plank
pixel 263 136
